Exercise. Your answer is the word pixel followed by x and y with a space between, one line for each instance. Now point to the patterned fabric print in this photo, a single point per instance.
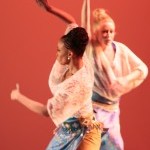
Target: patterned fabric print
pixel 112 139
pixel 108 143
pixel 68 136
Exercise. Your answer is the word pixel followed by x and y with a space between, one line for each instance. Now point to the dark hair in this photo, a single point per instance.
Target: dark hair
pixel 76 40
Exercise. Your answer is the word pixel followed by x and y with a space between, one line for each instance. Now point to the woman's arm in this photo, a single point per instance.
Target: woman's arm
pixel 135 77
pixel 139 70
pixel 125 84
pixel 67 18
pixel 85 16
pixel 32 105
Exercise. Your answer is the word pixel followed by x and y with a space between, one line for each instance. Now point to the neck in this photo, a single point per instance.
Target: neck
pixel 75 65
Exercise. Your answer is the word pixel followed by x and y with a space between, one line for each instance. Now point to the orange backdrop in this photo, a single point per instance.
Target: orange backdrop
pixel 28 39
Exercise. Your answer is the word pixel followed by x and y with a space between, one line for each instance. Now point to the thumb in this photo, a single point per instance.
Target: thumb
pixel 17 86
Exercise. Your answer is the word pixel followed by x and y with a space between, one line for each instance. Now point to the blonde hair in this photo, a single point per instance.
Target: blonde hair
pixel 100 15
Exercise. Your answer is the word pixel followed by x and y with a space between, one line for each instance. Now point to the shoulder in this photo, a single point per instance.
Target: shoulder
pixel 120 45
pixel 122 49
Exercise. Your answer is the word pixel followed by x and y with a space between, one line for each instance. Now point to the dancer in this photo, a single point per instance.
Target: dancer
pixel 117 70
pixel 70 108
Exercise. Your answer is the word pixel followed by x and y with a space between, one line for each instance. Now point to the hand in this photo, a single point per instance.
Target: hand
pixel 122 81
pixel 44 3
pixel 41 2
pixel 15 93
pixel 120 86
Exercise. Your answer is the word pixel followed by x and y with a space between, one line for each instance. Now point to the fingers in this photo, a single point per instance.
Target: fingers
pixel 15 93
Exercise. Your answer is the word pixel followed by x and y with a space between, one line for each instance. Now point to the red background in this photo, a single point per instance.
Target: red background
pixel 28 39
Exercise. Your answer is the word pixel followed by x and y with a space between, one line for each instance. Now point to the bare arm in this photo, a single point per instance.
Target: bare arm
pixel 67 18
pixel 85 16
pixel 32 105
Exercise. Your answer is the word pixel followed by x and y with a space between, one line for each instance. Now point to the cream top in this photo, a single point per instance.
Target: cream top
pixel 72 97
pixel 105 73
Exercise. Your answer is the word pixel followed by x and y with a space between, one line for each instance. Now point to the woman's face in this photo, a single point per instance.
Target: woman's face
pixel 106 32
pixel 62 53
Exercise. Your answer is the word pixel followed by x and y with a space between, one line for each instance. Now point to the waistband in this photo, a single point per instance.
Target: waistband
pixel 100 99
pixel 82 123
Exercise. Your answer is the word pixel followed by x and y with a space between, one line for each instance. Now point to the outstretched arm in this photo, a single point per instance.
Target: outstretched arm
pixel 85 16
pixel 32 105
pixel 67 18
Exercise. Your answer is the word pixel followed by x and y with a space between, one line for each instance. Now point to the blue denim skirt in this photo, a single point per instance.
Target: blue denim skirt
pixel 68 136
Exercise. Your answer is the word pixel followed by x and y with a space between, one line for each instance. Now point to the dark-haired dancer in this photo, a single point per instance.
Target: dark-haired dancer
pixel 70 108
pixel 117 69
